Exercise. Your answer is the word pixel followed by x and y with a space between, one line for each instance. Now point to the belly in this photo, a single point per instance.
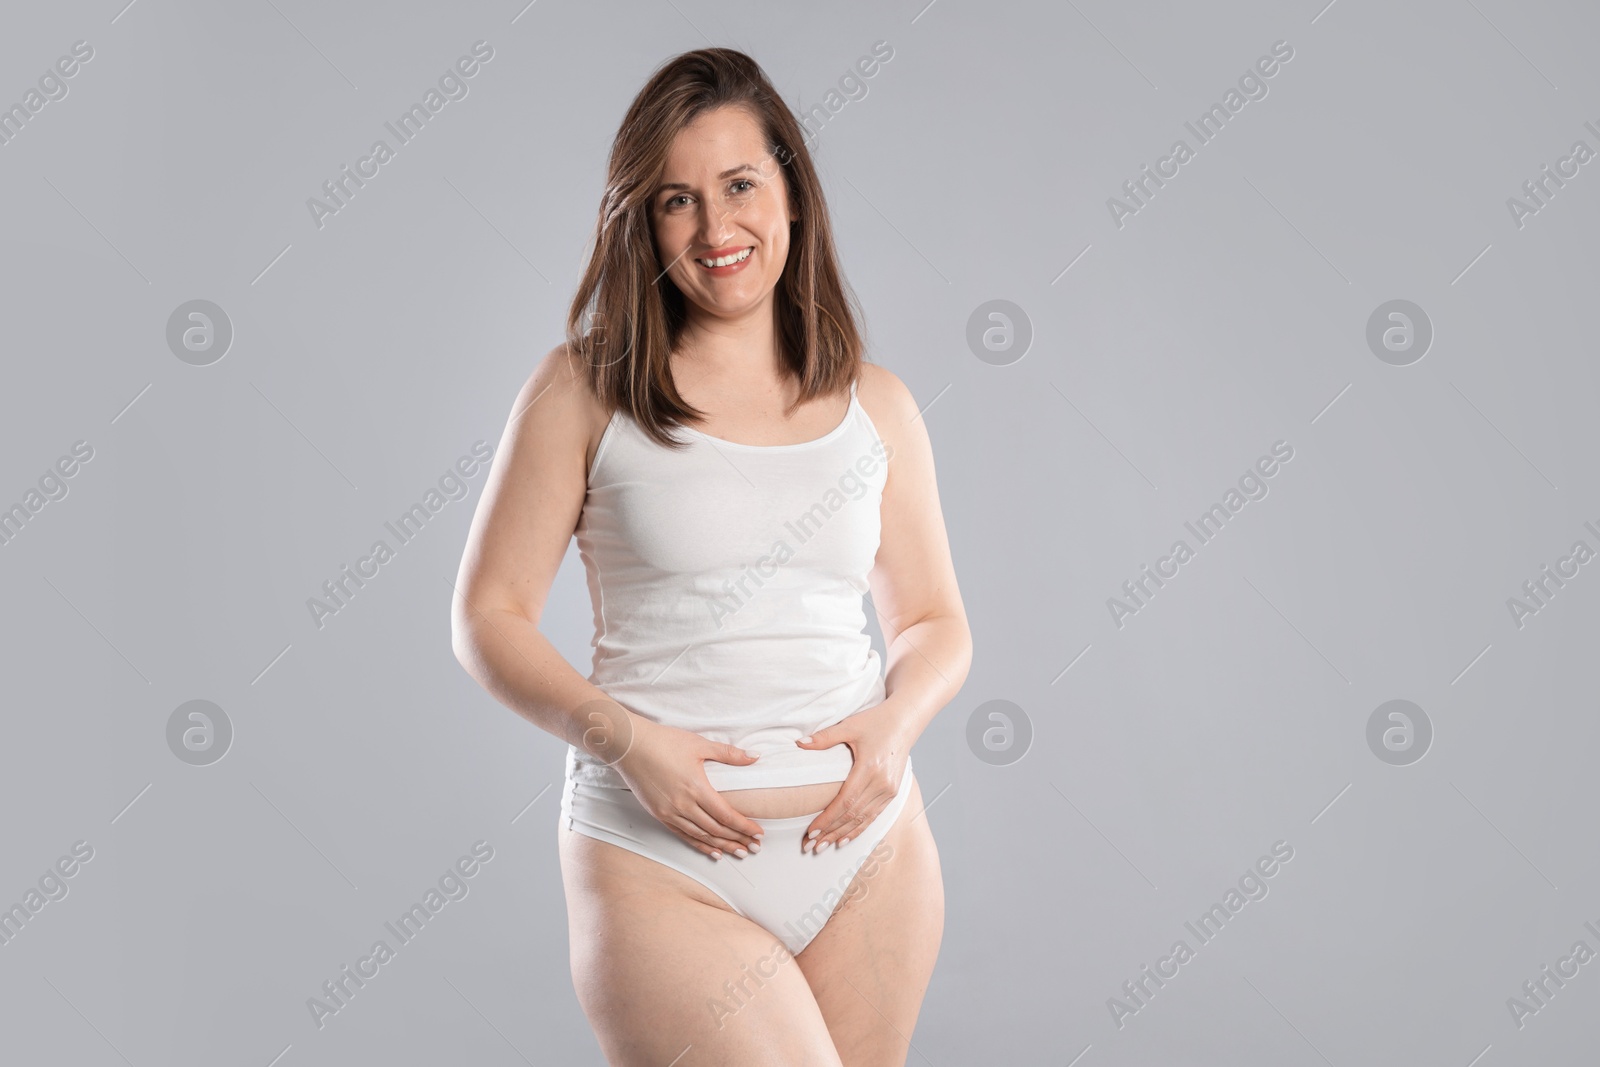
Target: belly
pixel 782 802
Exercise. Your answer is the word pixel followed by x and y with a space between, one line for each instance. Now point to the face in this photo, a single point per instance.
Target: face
pixel 722 194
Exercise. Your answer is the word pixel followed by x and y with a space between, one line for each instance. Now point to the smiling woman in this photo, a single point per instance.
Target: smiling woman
pixel 733 777
pixel 726 236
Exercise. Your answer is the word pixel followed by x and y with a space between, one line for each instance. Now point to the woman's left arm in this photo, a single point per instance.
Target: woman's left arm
pixel 920 612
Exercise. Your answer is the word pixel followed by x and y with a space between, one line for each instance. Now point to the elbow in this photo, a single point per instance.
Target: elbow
pixel 465 639
pixel 469 638
pixel 955 646
pixel 463 644
pixel 459 645
pixel 963 652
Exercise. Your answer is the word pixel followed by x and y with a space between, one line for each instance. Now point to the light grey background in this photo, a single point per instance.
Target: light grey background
pixel 1229 313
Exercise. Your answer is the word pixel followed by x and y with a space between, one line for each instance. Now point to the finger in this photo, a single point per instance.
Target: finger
pixel 853 814
pixel 824 738
pixel 702 841
pixel 829 818
pixel 726 838
pixel 725 824
pixel 847 831
pixel 711 842
pixel 700 829
pixel 730 821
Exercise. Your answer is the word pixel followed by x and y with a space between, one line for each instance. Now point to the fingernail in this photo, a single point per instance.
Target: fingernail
pixel 814 833
pixel 843 841
pixel 752 755
pixel 716 855
pixel 806 740
pixel 755 846
pixel 741 853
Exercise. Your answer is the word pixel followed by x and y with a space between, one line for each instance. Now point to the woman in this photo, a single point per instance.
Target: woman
pixel 747 874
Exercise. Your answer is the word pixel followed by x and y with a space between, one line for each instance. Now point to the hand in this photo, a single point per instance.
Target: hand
pixel 663 767
pixel 880 749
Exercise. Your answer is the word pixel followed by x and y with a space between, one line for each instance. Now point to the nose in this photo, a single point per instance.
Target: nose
pixel 714 229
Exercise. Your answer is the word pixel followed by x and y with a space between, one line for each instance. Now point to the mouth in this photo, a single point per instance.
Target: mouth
pixel 732 259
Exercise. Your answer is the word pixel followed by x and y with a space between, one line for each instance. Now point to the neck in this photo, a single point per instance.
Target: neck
pixel 720 349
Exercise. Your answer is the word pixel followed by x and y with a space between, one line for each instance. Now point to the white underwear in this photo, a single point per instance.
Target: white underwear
pixel 789 892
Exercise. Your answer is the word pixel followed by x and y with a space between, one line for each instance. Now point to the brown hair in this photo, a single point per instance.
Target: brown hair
pixel 638 313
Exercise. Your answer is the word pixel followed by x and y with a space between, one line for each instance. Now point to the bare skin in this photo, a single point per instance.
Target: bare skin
pixel 651 948
pixel 852 997
pixel 649 945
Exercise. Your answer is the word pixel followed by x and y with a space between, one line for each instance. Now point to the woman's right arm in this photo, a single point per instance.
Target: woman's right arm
pixel 531 502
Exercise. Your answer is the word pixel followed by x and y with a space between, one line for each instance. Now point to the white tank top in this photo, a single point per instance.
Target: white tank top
pixel 727 584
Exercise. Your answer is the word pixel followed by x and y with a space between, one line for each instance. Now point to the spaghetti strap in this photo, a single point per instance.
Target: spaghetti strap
pixel 669 569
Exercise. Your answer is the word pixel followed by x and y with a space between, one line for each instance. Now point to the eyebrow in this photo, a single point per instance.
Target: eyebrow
pixel 730 172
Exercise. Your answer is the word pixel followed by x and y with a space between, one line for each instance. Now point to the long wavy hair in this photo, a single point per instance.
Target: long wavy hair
pixel 627 314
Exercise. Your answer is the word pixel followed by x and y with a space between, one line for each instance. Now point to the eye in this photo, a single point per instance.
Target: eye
pixel 672 201
pixel 743 181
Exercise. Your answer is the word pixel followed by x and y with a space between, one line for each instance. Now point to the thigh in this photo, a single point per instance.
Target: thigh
pixel 667 973
pixel 870 965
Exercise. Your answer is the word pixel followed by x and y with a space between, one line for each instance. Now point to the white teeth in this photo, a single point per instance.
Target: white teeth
pixel 739 257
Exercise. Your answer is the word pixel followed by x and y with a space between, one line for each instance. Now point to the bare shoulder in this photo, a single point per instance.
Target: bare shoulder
pixel 534 495
pixel 891 407
pixel 558 404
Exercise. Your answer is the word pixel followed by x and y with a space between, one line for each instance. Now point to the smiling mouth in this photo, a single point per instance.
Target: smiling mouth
pixel 727 261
